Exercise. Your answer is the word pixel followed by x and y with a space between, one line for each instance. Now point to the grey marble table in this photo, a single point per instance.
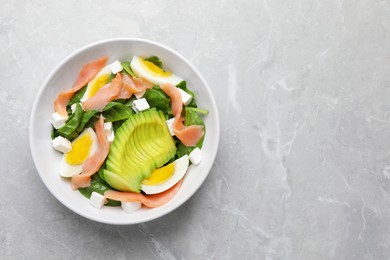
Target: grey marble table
pixel 303 90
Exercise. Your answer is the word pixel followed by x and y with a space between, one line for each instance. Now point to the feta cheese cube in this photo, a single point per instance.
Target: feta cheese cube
pixel 195 156
pixel 109 131
pixel 170 125
pixel 57 120
pixel 61 144
pixel 108 128
pixel 73 108
pixel 140 105
pixel 139 95
pixel 130 207
pixel 111 136
pixel 185 97
pixel 97 200
pixel 115 67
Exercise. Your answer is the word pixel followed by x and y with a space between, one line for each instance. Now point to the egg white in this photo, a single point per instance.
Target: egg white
pixel 181 166
pixel 139 69
pixel 68 170
pixel 106 71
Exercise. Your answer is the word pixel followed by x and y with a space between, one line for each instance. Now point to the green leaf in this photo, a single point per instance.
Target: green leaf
pixel 127 68
pixel 115 111
pixel 199 110
pixel 191 117
pixel 155 60
pixel 158 99
pixel 87 117
pixel 117 124
pixel 100 186
pixel 77 96
pixel 183 150
pixel 69 129
pixel 54 132
pixel 183 86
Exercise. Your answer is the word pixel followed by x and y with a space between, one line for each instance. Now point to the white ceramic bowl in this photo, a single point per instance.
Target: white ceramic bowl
pixel 47 160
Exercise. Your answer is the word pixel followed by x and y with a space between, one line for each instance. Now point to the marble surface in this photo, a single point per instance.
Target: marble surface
pixel 303 89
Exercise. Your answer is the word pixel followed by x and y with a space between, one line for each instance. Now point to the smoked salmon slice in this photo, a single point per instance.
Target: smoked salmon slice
pixel 87 73
pixel 61 101
pixel 93 164
pixel 129 85
pixel 188 135
pixel 151 201
pixel 175 96
pixel 135 85
pixel 104 95
pixel 142 83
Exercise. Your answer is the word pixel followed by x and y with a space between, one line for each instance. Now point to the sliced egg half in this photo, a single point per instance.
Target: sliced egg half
pixel 97 83
pixel 83 147
pixel 165 177
pixel 152 73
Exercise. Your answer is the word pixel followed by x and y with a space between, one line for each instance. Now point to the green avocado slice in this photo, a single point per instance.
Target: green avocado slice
pixel 142 144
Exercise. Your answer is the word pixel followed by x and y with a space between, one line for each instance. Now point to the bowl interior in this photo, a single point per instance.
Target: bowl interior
pixel 63 76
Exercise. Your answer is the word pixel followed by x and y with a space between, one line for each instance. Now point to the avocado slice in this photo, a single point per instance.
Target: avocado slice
pixel 142 144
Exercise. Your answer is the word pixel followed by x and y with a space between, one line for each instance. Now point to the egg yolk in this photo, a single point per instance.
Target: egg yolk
pixel 154 69
pixel 160 175
pixel 97 84
pixel 80 150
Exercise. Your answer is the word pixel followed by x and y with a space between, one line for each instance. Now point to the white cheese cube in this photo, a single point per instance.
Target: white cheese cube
pixel 139 95
pixel 57 120
pixel 73 108
pixel 97 200
pixel 140 105
pixel 111 136
pixel 195 156
pixel 115 67
pixel 108 128
pixel 185 97
pixel 170 125
pixel 109 131
pixel 61 144
pixel 130 207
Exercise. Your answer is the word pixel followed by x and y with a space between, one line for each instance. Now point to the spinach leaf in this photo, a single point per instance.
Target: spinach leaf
pixel 54 132
pixel 129 102
pixel 158 99
pixel 183 85
pixel 192 117
pixel 127 68
pixel 117 124
pixel 115 111
pixel 100 186
pixel 199 110
pixel 77 96
pixel 68 130
pixel 86 118
pixel 183 150
pixel 155 60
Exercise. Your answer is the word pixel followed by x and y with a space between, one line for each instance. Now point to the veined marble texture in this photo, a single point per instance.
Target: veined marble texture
pixel 303 91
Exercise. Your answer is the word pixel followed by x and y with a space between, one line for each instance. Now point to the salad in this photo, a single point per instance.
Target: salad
pixel 127 132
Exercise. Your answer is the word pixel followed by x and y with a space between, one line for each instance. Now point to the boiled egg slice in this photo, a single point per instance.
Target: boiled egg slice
pixel 97 83
pixel 152 73
pixel 165 177
pixel 83 147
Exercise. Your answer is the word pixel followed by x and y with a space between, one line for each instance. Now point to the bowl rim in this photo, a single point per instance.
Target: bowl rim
pixel 43 87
